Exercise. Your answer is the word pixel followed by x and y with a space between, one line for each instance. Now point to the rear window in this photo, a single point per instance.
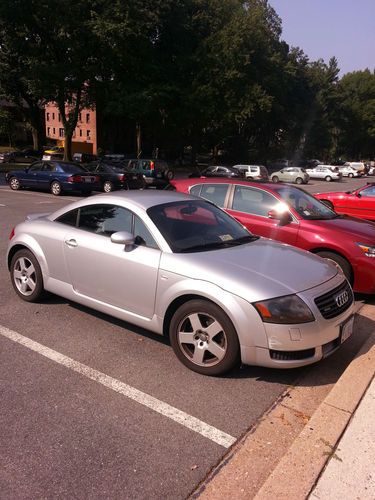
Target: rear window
pixel 72 168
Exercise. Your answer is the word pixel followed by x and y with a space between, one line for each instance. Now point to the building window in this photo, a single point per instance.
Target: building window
pixel 53 116
pixel 59 118
pixel 61 132
pixel 54 131
pixel 88 134
pixel 47 117
pixel 87 117
pixel 80 117
pixel 80 133
pixel 48 131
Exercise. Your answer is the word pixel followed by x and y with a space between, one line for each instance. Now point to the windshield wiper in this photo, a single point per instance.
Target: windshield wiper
pixel 220 244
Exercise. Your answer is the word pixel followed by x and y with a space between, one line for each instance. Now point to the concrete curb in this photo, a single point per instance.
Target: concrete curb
pixel 283 456
pixel 309 453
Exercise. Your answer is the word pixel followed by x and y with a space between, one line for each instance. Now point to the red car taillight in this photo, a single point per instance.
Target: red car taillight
pixel 152 165
pixel 122 177
pixel 12 233
pixel 75 178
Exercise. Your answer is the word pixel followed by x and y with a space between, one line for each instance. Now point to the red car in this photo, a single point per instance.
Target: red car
pixel 358 203
pixel 291 215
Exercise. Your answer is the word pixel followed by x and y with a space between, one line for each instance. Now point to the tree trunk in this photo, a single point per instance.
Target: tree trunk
pixel 68 146
pixel 138 131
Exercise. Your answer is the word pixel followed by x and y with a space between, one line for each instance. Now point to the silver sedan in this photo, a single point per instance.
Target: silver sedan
pixel 182 267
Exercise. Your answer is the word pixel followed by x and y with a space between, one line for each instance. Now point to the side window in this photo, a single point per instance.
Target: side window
pixel 132 164
pixel 70 218
pixel 36 167
pixel 253 201
pixel 105 219
pixel 145 165
pixel 370 191
pixel 195 190
pixel 215 193
pixel 143 235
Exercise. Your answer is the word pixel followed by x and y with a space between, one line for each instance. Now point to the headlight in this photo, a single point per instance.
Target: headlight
pixel 368 250
pixel 285 310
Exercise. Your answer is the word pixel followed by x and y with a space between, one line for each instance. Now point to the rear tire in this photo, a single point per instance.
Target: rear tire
pixel 26 276
pixel 340 262
pixel 350 175
pixel 299 180
pixel 328 178
pixel 275 179
pixel 169 175
pixel 107 187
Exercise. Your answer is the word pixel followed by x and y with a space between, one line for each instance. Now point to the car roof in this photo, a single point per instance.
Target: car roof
pixel 219 180
pixel 142 199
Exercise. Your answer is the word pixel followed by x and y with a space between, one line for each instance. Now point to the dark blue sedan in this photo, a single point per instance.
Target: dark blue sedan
pixel 54 176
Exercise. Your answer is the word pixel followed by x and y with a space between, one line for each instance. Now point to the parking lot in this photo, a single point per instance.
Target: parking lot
pixel 93 407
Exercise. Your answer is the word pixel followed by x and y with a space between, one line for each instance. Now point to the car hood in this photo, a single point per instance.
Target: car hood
pixel 255 271
pixel 358 229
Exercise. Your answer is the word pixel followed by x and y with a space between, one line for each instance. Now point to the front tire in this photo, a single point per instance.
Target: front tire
pixel 26 276
pixel 204 338
pixel 56 189
pixel 169 175
pixel 340 262
pixel 14 184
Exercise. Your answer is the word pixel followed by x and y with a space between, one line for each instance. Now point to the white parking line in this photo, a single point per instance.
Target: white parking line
pixel 140 397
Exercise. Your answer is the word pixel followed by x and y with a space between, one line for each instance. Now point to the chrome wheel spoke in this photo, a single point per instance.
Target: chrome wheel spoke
pixel 17 274
pixel 186 337
pixel 213 329
pixel 198 355
pixel 195 322
pixel 216 350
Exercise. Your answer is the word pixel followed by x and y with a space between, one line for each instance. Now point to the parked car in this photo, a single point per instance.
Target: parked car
pixel 357 203
pixel 26 156
pixel 290 174
pixel 253 172
pixel 157 173
pixel 217 171
pixel 347 171
pixel 84 157
pixel 324 172
pixel 54 176
pixel 357 165
pixel 182 267
pixel 291 215
pixel 116 176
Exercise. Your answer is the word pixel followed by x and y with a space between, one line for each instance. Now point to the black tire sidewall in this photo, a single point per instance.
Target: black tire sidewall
pixel 341 261
pixel 232 356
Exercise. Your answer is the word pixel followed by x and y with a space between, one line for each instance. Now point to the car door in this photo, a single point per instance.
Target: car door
pixel 108 272
pixel 28 177
pixel 361 203
pixel 252 205
pixel 43 176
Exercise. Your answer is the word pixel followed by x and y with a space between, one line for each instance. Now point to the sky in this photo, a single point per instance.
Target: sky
pixel 326 28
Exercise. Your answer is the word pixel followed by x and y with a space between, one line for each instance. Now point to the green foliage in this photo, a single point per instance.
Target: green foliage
pixel 208 74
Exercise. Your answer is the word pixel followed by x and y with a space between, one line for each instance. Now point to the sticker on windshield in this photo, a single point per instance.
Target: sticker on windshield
pixel 225 237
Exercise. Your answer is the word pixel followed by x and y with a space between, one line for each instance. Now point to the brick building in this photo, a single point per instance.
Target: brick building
pixel 84 138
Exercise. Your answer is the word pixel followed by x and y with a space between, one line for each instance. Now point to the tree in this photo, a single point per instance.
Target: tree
pixel 357 123
pixel 7 125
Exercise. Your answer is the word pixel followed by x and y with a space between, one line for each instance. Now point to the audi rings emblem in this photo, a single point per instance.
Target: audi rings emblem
pixel 342 298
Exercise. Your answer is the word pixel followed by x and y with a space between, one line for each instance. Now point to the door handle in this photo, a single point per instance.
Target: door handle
pixel 71 243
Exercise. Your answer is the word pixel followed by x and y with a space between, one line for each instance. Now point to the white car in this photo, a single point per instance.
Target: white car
pixel 348 171
pixel 324 172
pixel 359 166
pixel 253 172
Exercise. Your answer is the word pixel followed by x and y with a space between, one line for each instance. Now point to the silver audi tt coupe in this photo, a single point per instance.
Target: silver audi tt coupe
pixel 180 266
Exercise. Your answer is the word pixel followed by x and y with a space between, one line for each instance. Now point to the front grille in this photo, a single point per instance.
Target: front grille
pixel 335 302
pixel 292 355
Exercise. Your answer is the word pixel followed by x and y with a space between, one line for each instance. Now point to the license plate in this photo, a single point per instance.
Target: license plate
pixel 89 179
pixel 346 329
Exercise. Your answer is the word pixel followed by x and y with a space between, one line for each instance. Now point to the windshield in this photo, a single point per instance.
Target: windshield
pixel 304 204
pixel 197 226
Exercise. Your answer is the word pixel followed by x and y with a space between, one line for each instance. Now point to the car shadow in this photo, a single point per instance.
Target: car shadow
pixel 324 372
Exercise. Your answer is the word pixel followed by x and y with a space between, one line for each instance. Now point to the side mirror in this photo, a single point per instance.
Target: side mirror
pixel 123 238
pixel 283 217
